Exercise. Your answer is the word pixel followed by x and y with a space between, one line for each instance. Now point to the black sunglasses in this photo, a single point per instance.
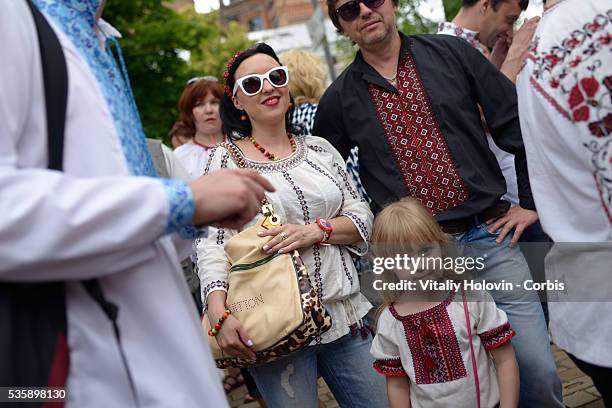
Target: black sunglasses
pixel 349 11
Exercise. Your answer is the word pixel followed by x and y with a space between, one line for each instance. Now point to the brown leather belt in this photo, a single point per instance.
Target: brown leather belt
pixel 464 224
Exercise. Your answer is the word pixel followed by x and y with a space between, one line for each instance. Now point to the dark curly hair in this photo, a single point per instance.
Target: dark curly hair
pixel 233 126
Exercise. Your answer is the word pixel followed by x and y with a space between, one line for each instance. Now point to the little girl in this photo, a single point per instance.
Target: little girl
pixel 430 354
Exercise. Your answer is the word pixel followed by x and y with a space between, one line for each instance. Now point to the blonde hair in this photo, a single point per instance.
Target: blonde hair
pixel 403 227
pixel 307 75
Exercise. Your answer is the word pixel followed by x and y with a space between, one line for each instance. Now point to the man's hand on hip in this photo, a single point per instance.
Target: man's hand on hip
pixel 228 198
pixel 518 218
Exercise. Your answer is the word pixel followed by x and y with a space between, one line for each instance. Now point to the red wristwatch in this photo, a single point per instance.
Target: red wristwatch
pixel 326 227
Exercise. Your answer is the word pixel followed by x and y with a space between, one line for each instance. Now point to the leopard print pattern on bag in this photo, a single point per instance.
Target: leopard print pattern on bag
pixel 316 321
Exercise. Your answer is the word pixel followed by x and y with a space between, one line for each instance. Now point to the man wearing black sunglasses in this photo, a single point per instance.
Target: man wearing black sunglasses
pixel 411 106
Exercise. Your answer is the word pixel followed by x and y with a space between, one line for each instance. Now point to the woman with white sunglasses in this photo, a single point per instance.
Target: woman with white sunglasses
pixel 323 217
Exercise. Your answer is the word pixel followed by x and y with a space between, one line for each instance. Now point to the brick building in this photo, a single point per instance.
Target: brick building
pixel 259 15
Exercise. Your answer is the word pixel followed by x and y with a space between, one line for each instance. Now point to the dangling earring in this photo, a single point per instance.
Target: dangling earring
pixel 243 117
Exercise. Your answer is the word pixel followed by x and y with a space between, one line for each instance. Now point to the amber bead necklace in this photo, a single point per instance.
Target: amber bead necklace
pixel 269 155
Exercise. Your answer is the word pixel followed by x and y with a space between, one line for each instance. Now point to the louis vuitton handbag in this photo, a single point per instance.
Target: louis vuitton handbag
pixel 271 295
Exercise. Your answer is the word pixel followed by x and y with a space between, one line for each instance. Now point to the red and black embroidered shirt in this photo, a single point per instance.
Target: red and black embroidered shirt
pixel 424 138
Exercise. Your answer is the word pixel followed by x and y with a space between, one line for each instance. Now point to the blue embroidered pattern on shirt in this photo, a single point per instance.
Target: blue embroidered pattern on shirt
pixel 76 19
pixel 182 208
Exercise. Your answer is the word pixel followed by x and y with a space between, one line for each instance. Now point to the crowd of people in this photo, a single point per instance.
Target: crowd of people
pixel 462 143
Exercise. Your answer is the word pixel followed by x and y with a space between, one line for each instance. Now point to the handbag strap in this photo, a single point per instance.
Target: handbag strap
pixel 473 356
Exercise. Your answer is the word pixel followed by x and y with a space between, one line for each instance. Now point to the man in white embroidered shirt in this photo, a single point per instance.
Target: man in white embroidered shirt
pixel 488 24
pixel 97 220
pixel 564 95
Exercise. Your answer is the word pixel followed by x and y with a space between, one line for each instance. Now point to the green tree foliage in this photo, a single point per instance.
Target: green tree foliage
pixel 211 56
pixel 163 49
pixel 451 8
pixel 410 20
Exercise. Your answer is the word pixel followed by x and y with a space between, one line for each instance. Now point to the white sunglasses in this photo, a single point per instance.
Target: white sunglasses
pixel 252 84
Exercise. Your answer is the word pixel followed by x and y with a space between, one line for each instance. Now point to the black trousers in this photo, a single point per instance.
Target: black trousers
pixel 601 376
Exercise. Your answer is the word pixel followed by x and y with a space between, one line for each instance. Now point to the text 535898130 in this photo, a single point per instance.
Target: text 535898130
pixel 32 394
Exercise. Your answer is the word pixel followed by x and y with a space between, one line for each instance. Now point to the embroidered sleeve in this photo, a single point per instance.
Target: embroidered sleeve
pixel 354 206
pixel 212 262
pixel 385 350
pixel 492 323
pixel 213 266
pixel 390 367
pixel 496 337
pixel 360 248
pixel 181 208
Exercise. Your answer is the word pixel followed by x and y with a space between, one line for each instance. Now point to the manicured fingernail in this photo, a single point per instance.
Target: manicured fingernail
pixel 280 251
pixel 265 247
pixel 260 233
pixel 249 343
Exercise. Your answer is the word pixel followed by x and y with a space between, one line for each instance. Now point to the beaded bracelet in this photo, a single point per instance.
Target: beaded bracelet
pixel 215 330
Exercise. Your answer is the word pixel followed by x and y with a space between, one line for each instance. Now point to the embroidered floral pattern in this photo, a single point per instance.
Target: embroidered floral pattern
pixel 572 75
pixel 581 98
pixel 418 146
pixel 562 69
pixel 470 36
pixel 496 337
pixel 436 356
pixel 391 367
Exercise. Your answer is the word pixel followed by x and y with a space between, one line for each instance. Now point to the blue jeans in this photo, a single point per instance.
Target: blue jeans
pixel 344 364
pixel 540 383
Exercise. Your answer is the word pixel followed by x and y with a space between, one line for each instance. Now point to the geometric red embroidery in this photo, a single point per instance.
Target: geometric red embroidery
pixel 433 344
pixel 391 367
pixel 496 337
pixel 420 151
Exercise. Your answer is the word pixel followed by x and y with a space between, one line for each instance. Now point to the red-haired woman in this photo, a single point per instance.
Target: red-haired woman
pixel 199 107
